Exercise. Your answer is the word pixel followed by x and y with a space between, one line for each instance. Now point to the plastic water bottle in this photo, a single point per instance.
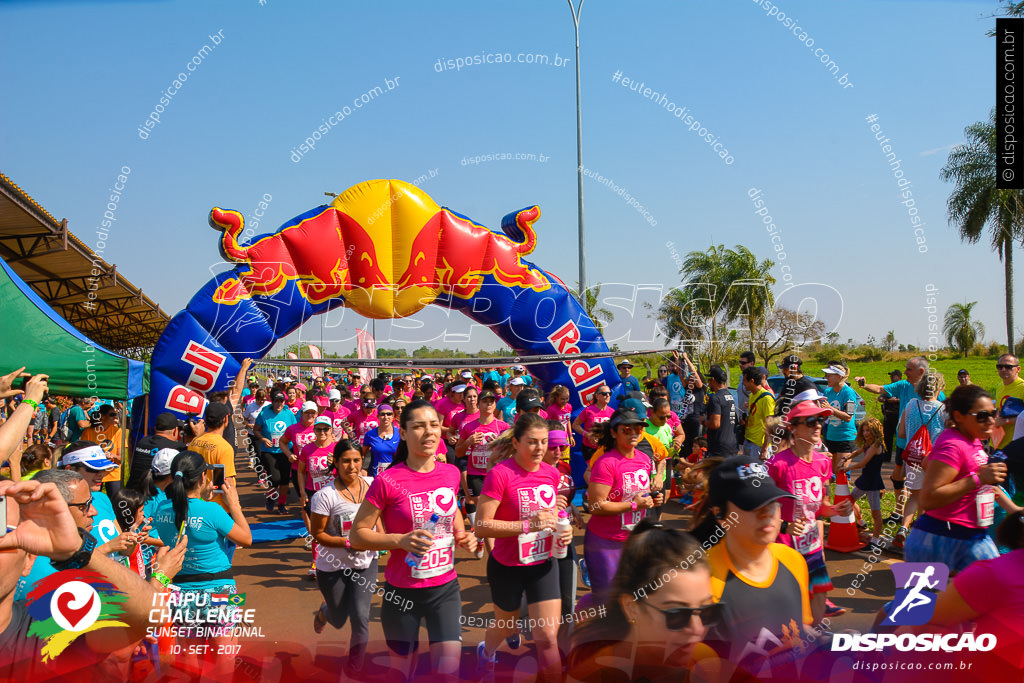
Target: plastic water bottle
pixel 561 549
pixel 412 559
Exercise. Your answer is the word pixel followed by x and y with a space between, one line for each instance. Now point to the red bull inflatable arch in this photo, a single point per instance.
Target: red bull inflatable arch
pixel 385 249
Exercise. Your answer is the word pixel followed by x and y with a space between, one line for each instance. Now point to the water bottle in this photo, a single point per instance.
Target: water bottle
pixel 561 549
pixel 412 559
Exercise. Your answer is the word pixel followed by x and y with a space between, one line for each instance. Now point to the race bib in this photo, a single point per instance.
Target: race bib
pixel 381 466
pixel 985 505
pixel 809 542
pixel 631 519
pixel 276 440
pixel 535 546
pixel 437 561
pixel 345 522
pixel 478 460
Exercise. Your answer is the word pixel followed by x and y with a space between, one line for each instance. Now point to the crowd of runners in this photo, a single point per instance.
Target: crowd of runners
pixel 416 470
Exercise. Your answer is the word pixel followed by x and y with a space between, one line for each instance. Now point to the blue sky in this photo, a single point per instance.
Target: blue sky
pixel 82 77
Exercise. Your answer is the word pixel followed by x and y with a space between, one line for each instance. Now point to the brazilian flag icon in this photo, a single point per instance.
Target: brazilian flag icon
pixel 237 600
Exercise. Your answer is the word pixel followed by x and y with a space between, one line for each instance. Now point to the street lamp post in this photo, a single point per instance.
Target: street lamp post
pixel 579 152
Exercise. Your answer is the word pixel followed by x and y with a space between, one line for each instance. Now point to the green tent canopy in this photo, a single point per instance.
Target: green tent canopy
pixel 35 336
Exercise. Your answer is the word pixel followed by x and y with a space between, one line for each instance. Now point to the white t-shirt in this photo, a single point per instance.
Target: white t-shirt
pixel 252 410
pixel 339 512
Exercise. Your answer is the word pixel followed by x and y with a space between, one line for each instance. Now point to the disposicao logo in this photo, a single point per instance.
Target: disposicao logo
pixel 67 604
pixel 914 603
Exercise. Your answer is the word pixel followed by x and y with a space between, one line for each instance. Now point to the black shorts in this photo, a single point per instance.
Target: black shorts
pixel 309 501
pixel 462 463
pixel 899 457
pixel 475 484
pixel 539 581
pixel 402 609
pixel 840 446
pixel 277 467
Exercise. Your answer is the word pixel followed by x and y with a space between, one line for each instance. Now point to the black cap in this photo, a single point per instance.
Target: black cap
pixel 962 371
pixel 527 401
pixel 625 416
pixel 744 482
pixel 895 372
pixel 639 396
pixel 487 396
pixel 165 422
pixel 278 396
pixel 791 359
pixel 718 374
pixel 216 410
pixel 635 406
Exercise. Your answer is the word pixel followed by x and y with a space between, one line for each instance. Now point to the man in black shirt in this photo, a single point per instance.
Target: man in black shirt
pixel 721 417
pixel 166 435
pixel 794 385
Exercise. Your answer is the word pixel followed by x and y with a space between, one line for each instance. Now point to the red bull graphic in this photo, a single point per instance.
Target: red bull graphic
pixel 385 249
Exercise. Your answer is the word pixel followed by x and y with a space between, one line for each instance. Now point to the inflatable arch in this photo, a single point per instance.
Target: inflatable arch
pixel 385 249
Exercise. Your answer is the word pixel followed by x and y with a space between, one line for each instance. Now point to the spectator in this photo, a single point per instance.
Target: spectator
pixel 761 405
pixel 905 390
pixel 1012 386
pixel 663 621
pixel 890 417
pixel 963 377
pixel 869 483
pixel 33 459
pixel 207 567
pixel 42 525
pixel 720 421
pixel 959 487
pixel 212 445
pixel 796 383
pixel 629 382
pixel 166 434
pixel 78 418
pixel 689 404
pixel 841 430
pixel 924 411
pixel 747 360
pixel 108 435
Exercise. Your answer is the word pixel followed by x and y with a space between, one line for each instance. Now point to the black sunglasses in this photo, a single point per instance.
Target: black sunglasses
pixel 813 422
pixel 984 415
pixel 678 618
pixel 1003 366
pixel 84 507
pixel 602 393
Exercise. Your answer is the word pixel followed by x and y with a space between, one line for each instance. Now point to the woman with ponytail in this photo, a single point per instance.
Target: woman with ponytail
pixel 207 567
pixel 420 573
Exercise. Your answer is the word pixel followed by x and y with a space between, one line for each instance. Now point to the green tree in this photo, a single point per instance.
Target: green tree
pixel 977 202
pixel 961 332
pixel 591 298
pixel 889 341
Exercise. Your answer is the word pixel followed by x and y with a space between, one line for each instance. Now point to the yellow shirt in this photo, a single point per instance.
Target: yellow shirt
pixel 1014 389
pixel 760 408
pixel 216 451
pixel 110 441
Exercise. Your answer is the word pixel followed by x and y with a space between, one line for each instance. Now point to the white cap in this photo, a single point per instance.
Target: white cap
pixel 520 368
pixel 309 405
pixel 834 370
pixel 459 388
pixel 323 420
pixel 468 374
pixel 334 395
pixel 518 381
pixel 162 461
pixel 92 457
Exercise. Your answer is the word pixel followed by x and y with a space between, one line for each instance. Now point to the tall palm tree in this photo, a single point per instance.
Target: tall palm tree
pixel 977 202
pixel 600 315
pixel 750 295
pixel 961 332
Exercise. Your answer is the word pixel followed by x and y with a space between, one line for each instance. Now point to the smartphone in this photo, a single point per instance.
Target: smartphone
pixel 218 477
pixel 3 516
pixel 181 532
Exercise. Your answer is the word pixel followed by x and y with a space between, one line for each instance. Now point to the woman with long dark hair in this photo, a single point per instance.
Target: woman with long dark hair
pixel 417 491
pixel 660 608
pixel 207 567
pixel 960 487
pixel 343 574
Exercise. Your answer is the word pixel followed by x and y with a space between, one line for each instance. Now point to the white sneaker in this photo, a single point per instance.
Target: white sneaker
pixel 483 662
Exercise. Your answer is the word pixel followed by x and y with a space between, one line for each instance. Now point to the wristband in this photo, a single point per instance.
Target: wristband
pixel 30 402
pixel 632 505
pixel 348 543
pixel 164 580
pixel 526 526
pixel 81 556
pixel 976 479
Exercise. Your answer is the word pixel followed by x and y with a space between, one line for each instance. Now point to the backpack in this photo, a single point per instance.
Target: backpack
pixel 920 445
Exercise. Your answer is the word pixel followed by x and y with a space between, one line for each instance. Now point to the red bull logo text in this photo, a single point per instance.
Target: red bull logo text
pixel 582 372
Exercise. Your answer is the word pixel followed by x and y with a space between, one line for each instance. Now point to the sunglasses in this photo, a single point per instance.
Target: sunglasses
pixel 678 618
pixel 84 507
pixel 1003 366
pixel 602 393
pixel 813 422
pixel 984 415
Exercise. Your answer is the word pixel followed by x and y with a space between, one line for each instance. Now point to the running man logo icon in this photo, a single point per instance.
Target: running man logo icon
pixel 921 583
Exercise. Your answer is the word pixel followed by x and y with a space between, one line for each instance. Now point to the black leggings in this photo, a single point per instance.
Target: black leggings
pixel 277 467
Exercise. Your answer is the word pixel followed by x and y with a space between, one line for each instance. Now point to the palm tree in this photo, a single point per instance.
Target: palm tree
pixel 961 332
pixel 750 295
pixel 601 316
pixel 977 202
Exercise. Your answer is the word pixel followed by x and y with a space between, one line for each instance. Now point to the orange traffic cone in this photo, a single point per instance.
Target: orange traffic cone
pixel 843 536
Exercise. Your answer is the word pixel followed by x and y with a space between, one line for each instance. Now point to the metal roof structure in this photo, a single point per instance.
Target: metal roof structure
pixel 84 289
